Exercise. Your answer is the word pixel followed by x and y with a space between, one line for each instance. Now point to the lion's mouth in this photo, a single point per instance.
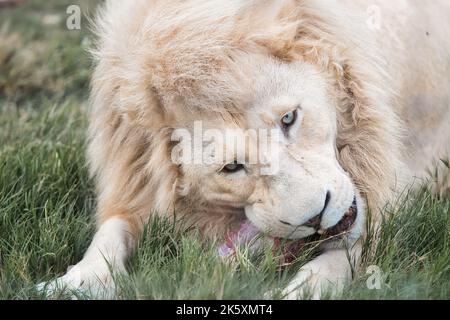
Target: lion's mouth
pixel 344 225
pixel 247 233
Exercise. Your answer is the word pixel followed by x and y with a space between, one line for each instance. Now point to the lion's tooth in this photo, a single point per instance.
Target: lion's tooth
pixel 321 231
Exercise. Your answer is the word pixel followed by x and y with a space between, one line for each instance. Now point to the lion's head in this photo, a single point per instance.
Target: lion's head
pixel 283 68
pixel 278 160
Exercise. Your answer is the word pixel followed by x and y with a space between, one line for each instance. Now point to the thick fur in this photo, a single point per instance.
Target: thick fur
pixel 161 62
pixel 163 51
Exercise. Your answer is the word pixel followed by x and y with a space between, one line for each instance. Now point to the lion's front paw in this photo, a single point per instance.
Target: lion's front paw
pixel 317 281
pixel 306 285
pixel 90 280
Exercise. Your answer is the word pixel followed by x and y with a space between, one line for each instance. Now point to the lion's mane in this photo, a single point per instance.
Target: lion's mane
pixel 152 54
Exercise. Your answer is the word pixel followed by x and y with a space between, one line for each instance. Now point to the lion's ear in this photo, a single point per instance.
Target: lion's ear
pixel 268 10
pixel 272 24
pixel 140 103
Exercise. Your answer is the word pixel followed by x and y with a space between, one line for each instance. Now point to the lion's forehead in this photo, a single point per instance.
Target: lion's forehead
pixel 179 51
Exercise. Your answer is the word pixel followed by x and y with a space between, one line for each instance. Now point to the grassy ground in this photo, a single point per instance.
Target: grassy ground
pixel 46 198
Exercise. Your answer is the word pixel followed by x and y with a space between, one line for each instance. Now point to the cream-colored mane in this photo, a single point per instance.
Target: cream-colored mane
pixel 163 60
pixel 188 56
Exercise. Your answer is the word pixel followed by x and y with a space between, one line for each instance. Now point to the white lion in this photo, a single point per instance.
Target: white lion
pixel 359 110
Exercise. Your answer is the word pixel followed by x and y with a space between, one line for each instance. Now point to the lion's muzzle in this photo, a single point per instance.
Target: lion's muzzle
pixel 250 236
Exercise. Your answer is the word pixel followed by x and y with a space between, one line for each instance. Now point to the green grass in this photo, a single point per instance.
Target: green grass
pixel 47 199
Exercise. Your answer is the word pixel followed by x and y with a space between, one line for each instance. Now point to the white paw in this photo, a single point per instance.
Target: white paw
pixel 298 289
pixel 315 284
pixel 324 277
pixel 305 285
pixel 84 280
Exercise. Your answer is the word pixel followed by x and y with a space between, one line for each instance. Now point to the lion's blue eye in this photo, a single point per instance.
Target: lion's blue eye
pixel 289 118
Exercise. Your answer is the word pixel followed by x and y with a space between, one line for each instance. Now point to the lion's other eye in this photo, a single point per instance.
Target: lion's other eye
pixel 289 119
pixel 233 167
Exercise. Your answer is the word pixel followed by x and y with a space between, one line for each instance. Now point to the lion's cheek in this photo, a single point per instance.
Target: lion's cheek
pixel 234 191
pixel 263 220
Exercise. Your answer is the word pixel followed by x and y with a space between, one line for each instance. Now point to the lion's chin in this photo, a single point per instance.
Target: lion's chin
pixel 250 238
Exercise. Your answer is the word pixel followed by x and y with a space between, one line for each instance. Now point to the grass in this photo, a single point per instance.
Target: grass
pixel 47 199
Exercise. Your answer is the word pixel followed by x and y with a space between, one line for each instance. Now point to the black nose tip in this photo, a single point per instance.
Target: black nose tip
pixel 315 222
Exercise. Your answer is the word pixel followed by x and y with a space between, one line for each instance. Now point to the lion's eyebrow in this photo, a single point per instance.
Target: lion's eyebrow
pixel 267 118
pixel 283 109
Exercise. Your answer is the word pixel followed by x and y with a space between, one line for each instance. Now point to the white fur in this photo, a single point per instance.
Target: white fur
pixel 162 62
pixel 328 273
